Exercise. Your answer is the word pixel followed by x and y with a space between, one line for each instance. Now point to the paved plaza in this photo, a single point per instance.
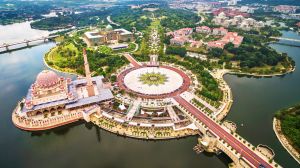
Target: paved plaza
pixel 173 81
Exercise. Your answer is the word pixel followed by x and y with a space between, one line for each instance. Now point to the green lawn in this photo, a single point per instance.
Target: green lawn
pixel 60 56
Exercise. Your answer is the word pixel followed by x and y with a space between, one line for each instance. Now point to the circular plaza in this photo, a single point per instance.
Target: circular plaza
pixel 154 82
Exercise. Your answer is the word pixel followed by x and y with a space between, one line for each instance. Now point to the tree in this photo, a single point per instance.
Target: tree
pixel 167 40
pixel 215 52
pixel 229 46
pixel 105 50
pixel 181 51
pixel 113 78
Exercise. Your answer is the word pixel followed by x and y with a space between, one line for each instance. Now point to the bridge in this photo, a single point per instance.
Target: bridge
pixel 286 39
pixel 27 42
pixel 216 138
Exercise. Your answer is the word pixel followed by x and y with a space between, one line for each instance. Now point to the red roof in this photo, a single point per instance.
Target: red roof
pixel 233 37
pixel 221 29
pixel 285 7
pixel 216 44
pixel 230 12
pixel 203 28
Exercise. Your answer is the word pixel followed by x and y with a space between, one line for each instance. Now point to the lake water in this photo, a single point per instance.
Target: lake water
pixel 84 145
pixel 19 32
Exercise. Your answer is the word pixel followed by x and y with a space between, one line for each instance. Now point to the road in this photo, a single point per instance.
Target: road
pixel 132 60
pixel 245 152
pixel 111 22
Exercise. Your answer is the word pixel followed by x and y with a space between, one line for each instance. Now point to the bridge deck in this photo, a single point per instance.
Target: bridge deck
pixel 287 39
pixel 27 41
pixel 245 152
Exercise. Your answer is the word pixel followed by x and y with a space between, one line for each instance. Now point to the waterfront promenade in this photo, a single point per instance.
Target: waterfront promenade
pixel 45 123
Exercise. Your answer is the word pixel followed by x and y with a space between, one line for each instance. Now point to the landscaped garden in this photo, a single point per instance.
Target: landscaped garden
pixel 290 124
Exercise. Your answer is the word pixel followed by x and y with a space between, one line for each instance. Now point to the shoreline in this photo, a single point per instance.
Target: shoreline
pixel 226 91
pixel 55 69
pixel 144 139
pixel 146 133
pixel 261 75
pixel 149 138
pixel 284 140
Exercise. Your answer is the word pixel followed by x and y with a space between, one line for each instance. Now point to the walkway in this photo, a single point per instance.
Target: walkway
pixel 245 152
pixel 46 123
pixel 172 114
pixel 132 60
pixel 212 108
pixel 133 109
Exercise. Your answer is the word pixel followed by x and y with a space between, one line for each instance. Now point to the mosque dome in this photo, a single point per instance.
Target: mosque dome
pixel 46 79
pixel 108 28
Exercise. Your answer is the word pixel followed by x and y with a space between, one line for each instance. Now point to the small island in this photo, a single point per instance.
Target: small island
pixel 286 125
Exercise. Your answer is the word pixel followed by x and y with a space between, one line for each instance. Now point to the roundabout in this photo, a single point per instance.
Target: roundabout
pixel 154 82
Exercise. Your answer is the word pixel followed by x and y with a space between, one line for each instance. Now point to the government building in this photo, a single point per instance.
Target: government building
pixel 107 36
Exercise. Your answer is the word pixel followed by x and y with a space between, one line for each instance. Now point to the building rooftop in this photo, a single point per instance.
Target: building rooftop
pixel 47 78
pixel 92 34
pixel 104 94
pixel 123 31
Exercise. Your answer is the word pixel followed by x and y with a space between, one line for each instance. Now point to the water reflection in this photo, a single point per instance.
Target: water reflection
pixel 63 130
pixel 98 135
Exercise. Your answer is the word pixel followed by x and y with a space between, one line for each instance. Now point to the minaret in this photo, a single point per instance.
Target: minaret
pixel 89 85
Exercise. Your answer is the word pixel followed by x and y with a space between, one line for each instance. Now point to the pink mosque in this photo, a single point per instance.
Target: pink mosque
pixel 53 100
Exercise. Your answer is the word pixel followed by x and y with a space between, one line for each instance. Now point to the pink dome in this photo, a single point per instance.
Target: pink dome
pixel 47 79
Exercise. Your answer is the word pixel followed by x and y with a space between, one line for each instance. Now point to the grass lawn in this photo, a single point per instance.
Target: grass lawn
pixel 201 49
pixel 58 55
pixel 266 69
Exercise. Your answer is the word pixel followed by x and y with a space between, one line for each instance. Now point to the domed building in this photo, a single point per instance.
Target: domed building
pixel 108 35
pixel 108 28
pixel 53 100
pixel 48 87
